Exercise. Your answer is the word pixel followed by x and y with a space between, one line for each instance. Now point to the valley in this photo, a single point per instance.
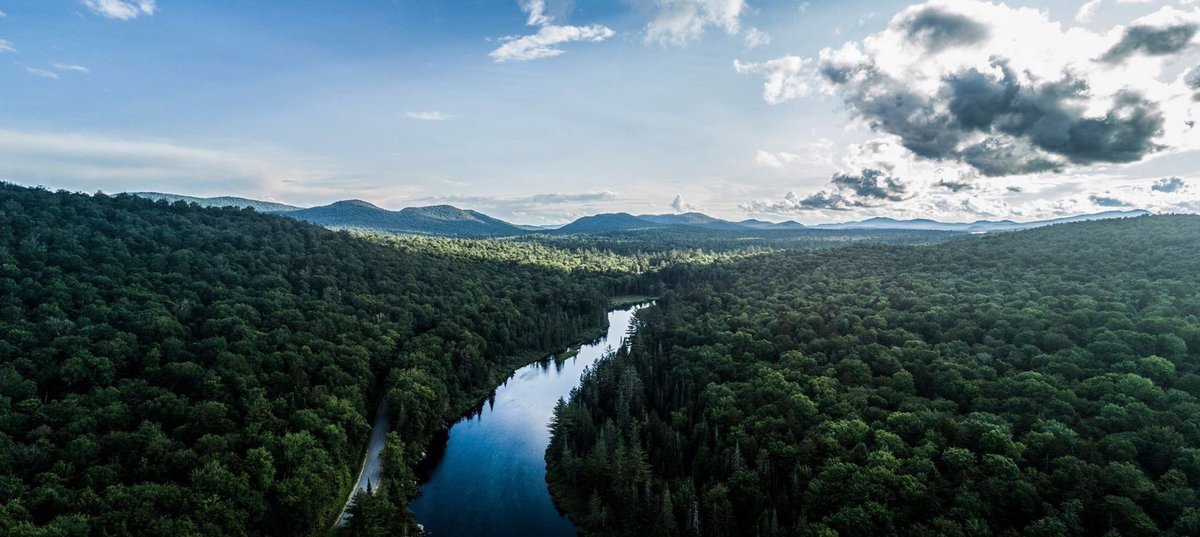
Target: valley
pixel 603 268
pixel 240 357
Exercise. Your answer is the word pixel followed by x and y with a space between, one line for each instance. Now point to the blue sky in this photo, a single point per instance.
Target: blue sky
pixel 640 106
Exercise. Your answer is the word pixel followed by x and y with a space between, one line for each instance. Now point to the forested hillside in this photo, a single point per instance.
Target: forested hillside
pixel 664 239
pixel 1044 383
pixel 169 369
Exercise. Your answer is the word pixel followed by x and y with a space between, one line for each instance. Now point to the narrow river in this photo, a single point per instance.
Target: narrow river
pixel 490 479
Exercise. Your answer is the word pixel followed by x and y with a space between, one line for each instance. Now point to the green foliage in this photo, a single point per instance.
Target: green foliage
pixel 684 242
pixel 169 369
pixel 1045 382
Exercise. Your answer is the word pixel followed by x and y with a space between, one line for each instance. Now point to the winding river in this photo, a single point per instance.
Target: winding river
pixel 490 478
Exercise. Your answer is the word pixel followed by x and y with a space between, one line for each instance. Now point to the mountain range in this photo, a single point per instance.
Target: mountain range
pixel 221 201
pixel 432 220
pixel 978 226
pixel 450 221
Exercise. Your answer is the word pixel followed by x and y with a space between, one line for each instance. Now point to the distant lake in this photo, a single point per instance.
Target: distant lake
pixel 490 478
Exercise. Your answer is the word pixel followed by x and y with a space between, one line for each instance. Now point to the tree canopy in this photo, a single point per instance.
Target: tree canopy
pixel 1045 382
pixel 172 369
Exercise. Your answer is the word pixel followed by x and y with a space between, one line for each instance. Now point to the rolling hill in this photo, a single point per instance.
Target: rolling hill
pixel 979 226
pixel 221 201
pixel 607 223
pixel 443 220
pixel 446 220
pixel 762 224
pixel 691 219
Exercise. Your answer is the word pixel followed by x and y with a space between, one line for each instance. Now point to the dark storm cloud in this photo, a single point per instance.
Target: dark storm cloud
pixel 826 200
pixel 888 105
pixel 955 186
pixel 1105 201
pixel 1150 41
pixel 869 188
pixel 937 29
pixel 995 157
pixel 830 201
pixel 1035 126
pixel 1168 185
pixel 871 184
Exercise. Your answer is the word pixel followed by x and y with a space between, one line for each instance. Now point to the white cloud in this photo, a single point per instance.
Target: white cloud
pixel 88 162
pixel 6 46
pixel 787 77
pixel 74 68
pixel 928 77
pixel 882 178
pixel 1087 11
pixel 537 12
pixel 544 43
pixel 680 206
pixel 816 155
pixel 541 208
pixel 42 73
pixel 3 14
pixel 680 21
pixel 775 160
pixel 757 38
pixel 121 9
pixel 431 115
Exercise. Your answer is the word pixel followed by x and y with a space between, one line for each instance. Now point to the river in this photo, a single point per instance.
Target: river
pixel 490 478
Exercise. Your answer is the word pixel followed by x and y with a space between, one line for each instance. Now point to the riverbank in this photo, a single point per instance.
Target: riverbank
pixel 425 446
pixel 625 301
pixel 488 478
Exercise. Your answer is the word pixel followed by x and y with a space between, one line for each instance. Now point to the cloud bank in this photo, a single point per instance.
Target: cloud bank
pixel 962 92
pixel 88 162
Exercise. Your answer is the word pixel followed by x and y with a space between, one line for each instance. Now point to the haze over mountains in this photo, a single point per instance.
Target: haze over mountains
pixel 221 201
pixel 450 221
pixel 432 220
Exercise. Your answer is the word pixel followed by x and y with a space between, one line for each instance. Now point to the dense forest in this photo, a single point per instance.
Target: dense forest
pixel 170 369
pixel 1038 383
pixel 167 368
pixel 685 241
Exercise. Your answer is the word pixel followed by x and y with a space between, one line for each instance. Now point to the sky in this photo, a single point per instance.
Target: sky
pixel 541 111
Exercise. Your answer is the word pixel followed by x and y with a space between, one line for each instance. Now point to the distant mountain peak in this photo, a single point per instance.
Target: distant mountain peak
pixel 443 220
pixel 444 212
pixel 355 203
pixel 978 226
pixel 219 201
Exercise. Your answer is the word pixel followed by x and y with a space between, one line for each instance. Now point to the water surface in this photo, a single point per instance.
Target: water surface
pixel 490 480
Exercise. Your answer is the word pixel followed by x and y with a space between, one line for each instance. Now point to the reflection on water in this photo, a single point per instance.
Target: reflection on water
pixel 490 478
